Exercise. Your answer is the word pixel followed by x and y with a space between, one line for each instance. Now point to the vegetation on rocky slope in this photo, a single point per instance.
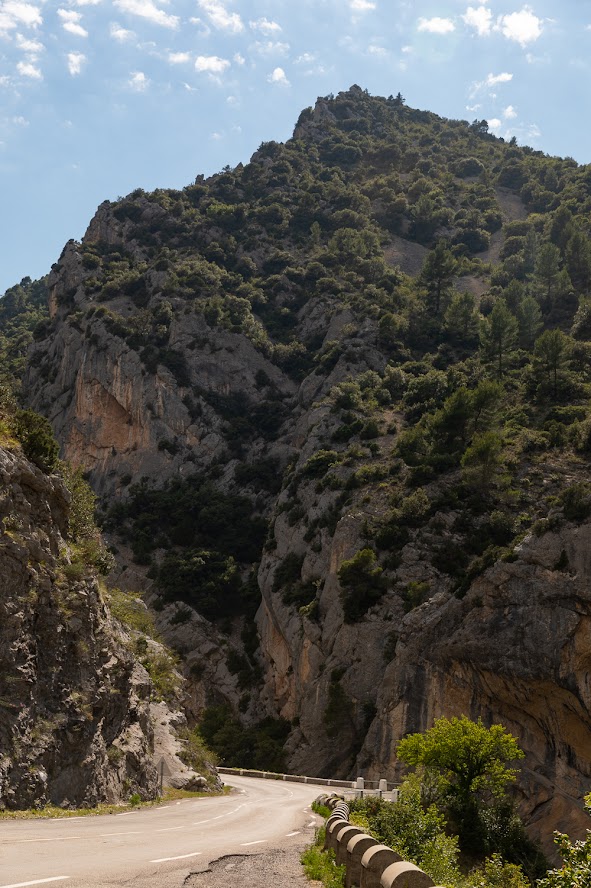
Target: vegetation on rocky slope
pixel 355 373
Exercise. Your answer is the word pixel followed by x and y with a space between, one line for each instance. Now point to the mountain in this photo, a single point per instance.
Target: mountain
pixel 335 405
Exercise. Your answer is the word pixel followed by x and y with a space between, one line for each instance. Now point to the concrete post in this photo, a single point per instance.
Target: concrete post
pixel 330 838
pixel 356 848
pixel 405 875
pixel 345 835
pixel 359 787
pixel 374 862
pixel 383 788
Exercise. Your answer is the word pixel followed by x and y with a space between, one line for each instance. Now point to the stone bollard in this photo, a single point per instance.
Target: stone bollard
pixel 374 862
pixel 359 787
pixel 330 839
pixel 336 833
pixel 383 788
pixel 345 835
pixel 405 875
pixel 356 848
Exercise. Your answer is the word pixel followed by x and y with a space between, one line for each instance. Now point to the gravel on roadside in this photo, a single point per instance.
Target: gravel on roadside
pixel 274 868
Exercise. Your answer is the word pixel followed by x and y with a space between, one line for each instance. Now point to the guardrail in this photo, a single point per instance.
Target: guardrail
pixel 358 787
pixel 368 863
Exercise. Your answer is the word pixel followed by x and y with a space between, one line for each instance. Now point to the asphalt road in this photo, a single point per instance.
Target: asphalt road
pixel 155 847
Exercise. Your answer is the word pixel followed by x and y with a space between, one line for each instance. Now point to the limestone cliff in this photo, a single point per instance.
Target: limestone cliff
pixel 257 350
pixel 75 727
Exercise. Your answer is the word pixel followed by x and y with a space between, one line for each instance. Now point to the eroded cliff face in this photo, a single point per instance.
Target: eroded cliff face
pixel 75 726
pixel 144 377
pixel 515 650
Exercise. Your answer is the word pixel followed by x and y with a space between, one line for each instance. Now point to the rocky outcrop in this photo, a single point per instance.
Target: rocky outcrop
pixel 181 314
pixel 75 727
pixel 515 650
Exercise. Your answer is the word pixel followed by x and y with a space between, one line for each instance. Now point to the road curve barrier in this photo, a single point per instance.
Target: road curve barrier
pixel 368 863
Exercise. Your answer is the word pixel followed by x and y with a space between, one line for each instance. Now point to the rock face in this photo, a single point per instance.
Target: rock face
pixel 515 650
pixel 74 727
pixel 147 375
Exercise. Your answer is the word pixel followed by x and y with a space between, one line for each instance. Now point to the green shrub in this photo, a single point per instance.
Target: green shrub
pixel 37 440
pixel 362 584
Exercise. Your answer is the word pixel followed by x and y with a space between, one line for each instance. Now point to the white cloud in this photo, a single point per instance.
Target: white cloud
pixel 69 15
pixel 436 25
pixel 28 69
pixel 119 33
pixel 265 26
pixel 20 121
pixel 362 5
pixel 147 9
pixel 31 47
pixel 494 124
pixel 87 2
pixel 493 79
pixel 75 62
pixel 215 137
pixel 179 58
pixel 211 64
pixel 71 22
pixel 16 12
pixel 278 76
pixel 232 100
pixel 305 59
pixel 375 50
pixel 509 113
pixel 490 81
pixel 138 81
pixel 271 47
pixel 479 18
pixel 219 16
pixel 524 27
pixel 239 59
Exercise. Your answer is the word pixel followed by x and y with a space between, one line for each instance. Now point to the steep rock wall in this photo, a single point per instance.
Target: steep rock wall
pixel 75 726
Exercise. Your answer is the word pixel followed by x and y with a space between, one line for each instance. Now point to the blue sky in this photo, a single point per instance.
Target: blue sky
pixel 98 97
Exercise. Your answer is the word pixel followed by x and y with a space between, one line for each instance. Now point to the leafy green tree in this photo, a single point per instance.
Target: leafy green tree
pixel 461 318
pixel 551 350
pixel 483 459
pixel 529 318
pixel 496 873
pixel 468 760
pixel 468 757
pixel 578 261
pixel 37 439
pixel 562 227
pixel 438 271
pixel 546 273
pixel 362 582
pixel 498 334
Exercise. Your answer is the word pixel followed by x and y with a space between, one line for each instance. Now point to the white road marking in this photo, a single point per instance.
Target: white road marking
pixel 219 817
pixel 36 882
pixel 126 814
pixel 296 833
pixel 171 829
pixel 312 823
pixel 180 857
pixel 107 835
pixel 258 842
pixel 53 839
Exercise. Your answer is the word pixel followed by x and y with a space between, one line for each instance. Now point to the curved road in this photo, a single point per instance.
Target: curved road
pixel 155 847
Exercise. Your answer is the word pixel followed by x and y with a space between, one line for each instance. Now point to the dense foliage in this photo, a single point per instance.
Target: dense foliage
pixel 465 264
pixel 464 770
